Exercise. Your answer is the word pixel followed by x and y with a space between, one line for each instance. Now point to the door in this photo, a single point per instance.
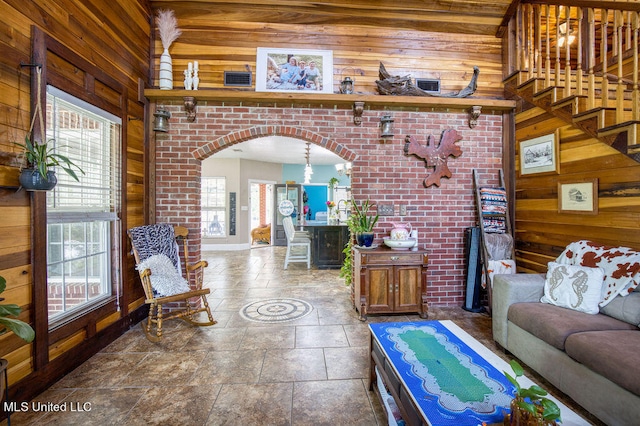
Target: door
pixel 380 289
pixel 260 205
pixel 283 192
pixel 407 288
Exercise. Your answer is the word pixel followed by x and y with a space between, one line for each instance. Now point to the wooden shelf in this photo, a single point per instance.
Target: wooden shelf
pixel 396 102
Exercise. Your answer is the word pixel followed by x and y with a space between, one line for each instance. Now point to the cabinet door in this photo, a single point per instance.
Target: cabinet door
pixel 407 288
pixel 380 289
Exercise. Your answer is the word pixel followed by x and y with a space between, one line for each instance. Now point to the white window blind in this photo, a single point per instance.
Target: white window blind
pixel 82 216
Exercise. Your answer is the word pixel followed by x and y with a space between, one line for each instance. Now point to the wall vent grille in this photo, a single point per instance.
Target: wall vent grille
pixel 428 85
pixel 237 78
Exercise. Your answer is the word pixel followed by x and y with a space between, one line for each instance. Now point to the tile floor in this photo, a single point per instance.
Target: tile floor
pixel 309 371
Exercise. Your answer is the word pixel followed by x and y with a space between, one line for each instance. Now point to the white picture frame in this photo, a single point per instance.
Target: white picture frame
pixel 270 76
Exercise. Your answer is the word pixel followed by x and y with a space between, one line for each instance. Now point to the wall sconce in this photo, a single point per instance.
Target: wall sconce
pixel 344 169
pixel 346 86
pixel 358 109
pixel 386 126
pixel 161 123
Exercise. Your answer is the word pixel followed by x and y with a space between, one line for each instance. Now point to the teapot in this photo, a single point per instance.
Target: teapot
pixel 400 231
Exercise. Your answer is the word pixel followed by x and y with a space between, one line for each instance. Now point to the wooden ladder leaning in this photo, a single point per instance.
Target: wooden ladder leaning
pixel 490 215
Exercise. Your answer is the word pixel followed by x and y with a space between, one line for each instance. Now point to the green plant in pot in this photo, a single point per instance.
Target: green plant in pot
pixel 333 182
pixel 529 405
pixel 20 328
pixel 363 223
pixel 41 158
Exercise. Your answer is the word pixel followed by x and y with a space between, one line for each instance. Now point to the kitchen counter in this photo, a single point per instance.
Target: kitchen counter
pixel 327 242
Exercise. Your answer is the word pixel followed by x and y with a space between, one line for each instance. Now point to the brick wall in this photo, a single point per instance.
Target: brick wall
pixel 381 171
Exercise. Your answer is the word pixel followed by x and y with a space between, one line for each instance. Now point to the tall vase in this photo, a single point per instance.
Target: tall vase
pixel 166 71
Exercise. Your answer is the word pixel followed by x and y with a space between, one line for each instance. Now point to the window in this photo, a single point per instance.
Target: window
pixel 214 207
pixel 82 217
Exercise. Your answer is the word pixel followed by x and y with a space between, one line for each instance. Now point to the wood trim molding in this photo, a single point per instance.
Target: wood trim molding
pixel 347 101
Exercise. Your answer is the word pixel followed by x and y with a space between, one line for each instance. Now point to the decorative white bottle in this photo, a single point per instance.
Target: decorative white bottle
pixel 187 80
pixel 196 79
pixel 166 71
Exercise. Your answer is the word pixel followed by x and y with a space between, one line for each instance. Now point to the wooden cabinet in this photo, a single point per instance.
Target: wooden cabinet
pixel 390 281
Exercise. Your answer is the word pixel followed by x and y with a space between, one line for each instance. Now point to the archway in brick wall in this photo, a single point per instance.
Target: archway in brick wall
pixel 235 138
pixel 244 135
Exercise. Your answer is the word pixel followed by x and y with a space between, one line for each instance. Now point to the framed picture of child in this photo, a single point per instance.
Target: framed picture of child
pixel 294 70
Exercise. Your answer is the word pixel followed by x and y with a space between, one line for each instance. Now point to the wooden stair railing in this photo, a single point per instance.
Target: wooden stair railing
pixel 581 64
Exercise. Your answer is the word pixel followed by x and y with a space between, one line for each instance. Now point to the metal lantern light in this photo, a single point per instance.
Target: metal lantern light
pixel 386 126
pixel 346 86
pixel 162 121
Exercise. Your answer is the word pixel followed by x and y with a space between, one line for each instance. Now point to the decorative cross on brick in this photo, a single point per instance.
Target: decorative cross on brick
pixel 435 156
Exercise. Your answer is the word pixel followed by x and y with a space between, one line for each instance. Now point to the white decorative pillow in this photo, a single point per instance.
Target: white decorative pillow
pixel 574 287
pixel 165 278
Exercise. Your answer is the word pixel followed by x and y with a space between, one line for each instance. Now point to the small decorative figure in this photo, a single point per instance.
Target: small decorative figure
pixel 188 81
pixel 196 79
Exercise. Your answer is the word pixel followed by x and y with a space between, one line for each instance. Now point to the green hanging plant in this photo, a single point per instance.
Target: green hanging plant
pixel 43 156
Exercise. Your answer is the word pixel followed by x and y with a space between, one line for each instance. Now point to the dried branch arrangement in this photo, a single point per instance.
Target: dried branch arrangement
pixel 168 27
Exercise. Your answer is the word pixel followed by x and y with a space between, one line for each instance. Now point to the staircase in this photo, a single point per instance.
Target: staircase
pixel 581 65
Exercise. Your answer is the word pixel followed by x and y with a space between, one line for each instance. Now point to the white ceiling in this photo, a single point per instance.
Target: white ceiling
pixel 280 149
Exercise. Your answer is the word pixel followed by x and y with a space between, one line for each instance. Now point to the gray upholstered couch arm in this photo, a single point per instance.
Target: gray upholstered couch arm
pixel 507 290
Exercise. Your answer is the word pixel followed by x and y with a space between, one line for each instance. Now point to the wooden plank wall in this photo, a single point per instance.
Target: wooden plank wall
pixel 542 231
pixel 229 44
pixel 116 39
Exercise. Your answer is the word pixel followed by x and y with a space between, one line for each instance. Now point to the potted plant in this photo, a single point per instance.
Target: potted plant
pixel 39 175
pixel 333 182
pixel 20 328
pixel 363 223
pixel 529 405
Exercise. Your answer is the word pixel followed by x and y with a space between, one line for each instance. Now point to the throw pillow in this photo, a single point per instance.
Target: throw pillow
pixel 165 278
pixel 625 308
pixel 574 287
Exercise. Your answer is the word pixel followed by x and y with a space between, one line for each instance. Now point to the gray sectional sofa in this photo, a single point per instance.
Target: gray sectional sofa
pixel 593 358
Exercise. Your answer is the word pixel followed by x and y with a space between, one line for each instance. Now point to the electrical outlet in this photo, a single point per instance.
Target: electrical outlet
pixel 385 209
pixel 403 209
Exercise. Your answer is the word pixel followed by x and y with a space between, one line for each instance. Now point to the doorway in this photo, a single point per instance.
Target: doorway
pixel 260 208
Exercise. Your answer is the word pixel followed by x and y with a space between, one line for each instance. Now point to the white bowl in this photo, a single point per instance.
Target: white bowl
pixel 400 244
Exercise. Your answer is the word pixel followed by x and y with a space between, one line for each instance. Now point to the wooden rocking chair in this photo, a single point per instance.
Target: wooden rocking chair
pixel 149 240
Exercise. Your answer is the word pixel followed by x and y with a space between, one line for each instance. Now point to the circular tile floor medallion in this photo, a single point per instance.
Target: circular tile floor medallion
pixel 276 310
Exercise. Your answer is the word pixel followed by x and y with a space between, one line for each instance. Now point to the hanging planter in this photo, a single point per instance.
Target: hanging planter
pixel 38 175
pixel 32 180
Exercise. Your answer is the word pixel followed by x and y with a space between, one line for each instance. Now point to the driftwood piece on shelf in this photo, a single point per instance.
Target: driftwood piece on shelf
pixel 403 86
pixel 435 156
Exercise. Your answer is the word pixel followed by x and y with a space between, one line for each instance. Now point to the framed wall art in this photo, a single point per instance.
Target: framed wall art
pixel 578 197
pixel 294 70
pixel 539 155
